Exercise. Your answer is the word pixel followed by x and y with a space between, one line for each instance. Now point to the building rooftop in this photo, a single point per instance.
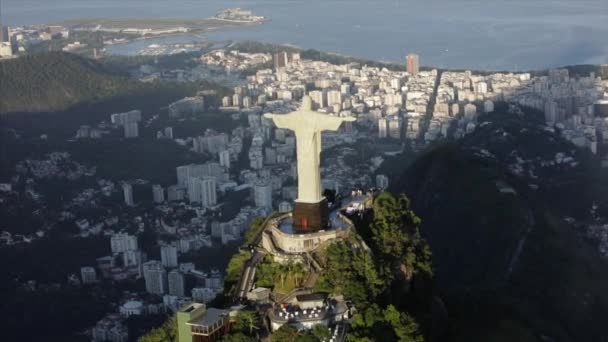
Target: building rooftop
pixel 210 317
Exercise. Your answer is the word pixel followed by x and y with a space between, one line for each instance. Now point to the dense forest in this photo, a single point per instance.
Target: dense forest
pixel 55 81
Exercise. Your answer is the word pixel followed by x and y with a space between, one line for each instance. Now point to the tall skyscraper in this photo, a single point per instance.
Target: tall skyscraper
pixel 224 157
pixel 395 127
pixel 209 192
pixel 318 98
pixel 176 283
pixel 412 64
pixel 262 193
pixel 131 258
pixel 129 121
pixel 551 112
pixel 194 189
pixel 120 243
pixel 131 130
pixel 176 193
pixel 334 97
pixel 184 173
pixel 280 60
pixel 127 190
pixel 382 128
pixel 158 193
pixel 168 256
pixel 155 277
pixel 4 34
pixel 202 190
pixel 168 132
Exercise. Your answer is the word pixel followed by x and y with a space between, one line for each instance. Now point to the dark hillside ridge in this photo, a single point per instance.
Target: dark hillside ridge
pixel 54 81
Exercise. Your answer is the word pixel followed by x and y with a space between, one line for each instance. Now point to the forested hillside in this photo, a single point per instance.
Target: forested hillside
pixel 55 81
pixel 493 208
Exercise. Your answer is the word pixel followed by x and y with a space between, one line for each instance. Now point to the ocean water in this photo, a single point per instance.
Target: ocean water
pixel 477 34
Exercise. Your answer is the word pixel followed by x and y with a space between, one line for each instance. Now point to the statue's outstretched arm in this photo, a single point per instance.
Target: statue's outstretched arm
pixel 282 121
pixel 330 123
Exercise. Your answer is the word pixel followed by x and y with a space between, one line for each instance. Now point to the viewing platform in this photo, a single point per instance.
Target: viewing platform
pixel 280 239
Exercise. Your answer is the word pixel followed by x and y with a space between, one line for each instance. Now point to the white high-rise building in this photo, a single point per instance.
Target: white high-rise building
pixel 211 142
pixel 395 127
pixel 481 87
pixel 551 112
pixel 345 88
pixel 285 207
pixel 168 256
pixel 131 258
pixel 209 192
pixel 203 294
pixel 176 193
pixel 127 190
pixel 270 156
pixel 224 157
pixel 381 182
pixel 382 128
pixel 262 193
pixel 88 275
pixel 168 132
pixel 488 106
pixel 455 109
pixel 334 97
pixel 131 130
pixel 470 111
pixel 176 284
pixel 227 101
pixel 123 242
pixel 318 99
pixel 237 100
pixel 203 191
pixel 6 49
pixel 184 172
pixel 194 189
pixel 247 102
pixel 158 193
pixel 155 277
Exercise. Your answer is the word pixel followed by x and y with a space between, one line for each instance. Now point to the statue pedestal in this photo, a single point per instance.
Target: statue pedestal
pixel 310 217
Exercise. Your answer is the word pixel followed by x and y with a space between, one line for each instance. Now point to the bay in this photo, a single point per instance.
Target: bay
pixel 475 34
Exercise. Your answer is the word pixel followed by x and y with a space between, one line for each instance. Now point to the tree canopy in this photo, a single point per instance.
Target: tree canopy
pixel 164 333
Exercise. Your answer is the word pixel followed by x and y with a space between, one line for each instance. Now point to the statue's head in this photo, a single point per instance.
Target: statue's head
pixel 306 103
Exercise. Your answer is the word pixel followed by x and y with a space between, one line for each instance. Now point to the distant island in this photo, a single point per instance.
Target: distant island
pixel 239 15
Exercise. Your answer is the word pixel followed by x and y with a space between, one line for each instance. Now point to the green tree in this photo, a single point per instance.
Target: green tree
pixel 254 231
pixel 298 273
pixel 396 236
pixel 321 332
pixel 405 326
pixel 247 321
pixel 306 336
pixel 351 272
pixel 238 337
pixel 285 333
pixel 267 272
pixel 164 333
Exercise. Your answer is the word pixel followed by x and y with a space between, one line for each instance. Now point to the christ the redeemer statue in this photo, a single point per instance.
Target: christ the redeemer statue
pixel 310 212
